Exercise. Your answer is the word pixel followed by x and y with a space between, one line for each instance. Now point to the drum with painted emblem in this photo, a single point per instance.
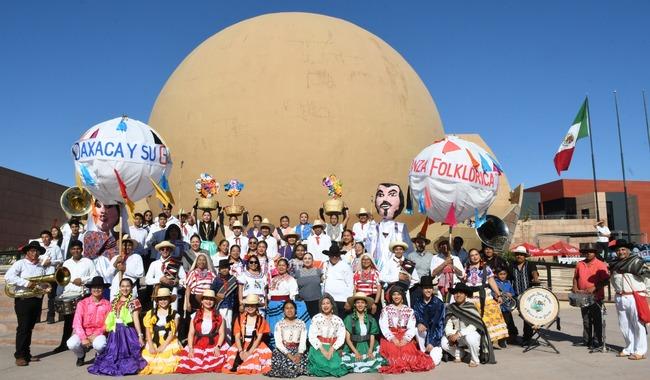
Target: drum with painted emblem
pixel 538 306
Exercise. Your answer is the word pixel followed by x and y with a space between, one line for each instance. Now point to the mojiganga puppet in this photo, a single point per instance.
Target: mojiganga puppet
pixel 389 202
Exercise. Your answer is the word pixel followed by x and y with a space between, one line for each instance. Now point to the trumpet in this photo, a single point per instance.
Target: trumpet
pixel 43 284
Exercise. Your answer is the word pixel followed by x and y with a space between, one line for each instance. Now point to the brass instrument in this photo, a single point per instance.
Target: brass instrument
pixel 509 301
pixel 61 277
pixel 494 233
pixel 76 201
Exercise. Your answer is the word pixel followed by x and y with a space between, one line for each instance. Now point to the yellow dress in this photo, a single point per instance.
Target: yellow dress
pixel 166 361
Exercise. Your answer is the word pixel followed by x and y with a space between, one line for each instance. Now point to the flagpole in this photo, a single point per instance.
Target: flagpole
pixel 645 110
pixel 593 160
pixel 620 145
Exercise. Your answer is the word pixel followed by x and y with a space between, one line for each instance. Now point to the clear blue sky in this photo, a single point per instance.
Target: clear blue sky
pixel 515 72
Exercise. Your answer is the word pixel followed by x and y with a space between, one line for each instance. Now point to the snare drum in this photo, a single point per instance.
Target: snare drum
pixel 66 304
pixel 538 306
pixel 581 299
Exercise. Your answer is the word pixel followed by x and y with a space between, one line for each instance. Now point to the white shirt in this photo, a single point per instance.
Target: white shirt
pixel 361 230
pixel 288 287
pixel 155 273
pixel 133 270
pixel 390 272
pixel 316 246
pixel 381 235
pixel 338 281
pixel 20 271
pixel 139 234
pixel 455 325
pixel 83 269
pixel 188 230
pixel 67 237
pixel 104 268
pixel 55 254
pixel 438 259
pixel 241 241
pixel 603 234
pixel 272 249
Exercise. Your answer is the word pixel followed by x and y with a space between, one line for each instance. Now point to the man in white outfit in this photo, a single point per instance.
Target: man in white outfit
pixel 627 273
pixel 238 238
pixel 463 327
pixel 318 241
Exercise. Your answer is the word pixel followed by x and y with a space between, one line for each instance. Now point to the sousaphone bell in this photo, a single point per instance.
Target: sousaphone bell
pixel 494 233
pixel 76 201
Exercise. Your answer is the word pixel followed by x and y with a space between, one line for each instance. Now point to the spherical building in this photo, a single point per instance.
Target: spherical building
pixel 281 100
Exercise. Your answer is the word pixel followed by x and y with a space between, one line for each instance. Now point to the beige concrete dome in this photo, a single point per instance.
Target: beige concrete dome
pixel 280 100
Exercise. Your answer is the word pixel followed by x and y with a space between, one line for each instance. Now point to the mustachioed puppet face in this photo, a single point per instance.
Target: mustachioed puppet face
pixel 389 200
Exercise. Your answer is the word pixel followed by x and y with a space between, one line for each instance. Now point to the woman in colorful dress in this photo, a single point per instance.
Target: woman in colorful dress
pixel 253 281
pixel 361 353
pixel 162 348
pixel 309 281
pixel 207 231
pixel 397 324
pixel 249 355
pixel 289 357
pixel 205 351
pixel 198 279
pixel 488 298
pixel 366 280
pixel 282 288
pixel 122 354
pixel 326 336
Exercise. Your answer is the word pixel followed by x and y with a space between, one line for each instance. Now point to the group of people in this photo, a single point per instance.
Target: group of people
pixel 287 301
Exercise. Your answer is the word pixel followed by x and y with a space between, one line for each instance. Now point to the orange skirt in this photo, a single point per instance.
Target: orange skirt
pixel 259 362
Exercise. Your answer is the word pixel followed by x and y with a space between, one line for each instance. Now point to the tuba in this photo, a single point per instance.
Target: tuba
pixel 494 233
pixel 76 201
pixel 61 277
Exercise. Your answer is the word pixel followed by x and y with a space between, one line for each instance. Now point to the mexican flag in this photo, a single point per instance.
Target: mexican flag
pixel 579 129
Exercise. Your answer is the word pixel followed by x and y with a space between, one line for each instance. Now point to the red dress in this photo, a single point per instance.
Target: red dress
pixel 204 359
pixel 399 322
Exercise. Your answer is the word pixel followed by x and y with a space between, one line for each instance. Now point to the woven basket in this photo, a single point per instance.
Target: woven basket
pixel 333 206
pixel 208 204
pixel 234 210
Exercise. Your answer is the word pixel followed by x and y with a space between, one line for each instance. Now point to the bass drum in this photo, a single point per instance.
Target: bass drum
pixel 538 306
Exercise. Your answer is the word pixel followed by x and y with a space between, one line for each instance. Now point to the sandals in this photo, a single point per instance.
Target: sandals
pixel 622 354
pixel 636 357
pixel 472 364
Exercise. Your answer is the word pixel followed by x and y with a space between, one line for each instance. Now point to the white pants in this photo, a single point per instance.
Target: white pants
pixel 226 314
pixel 74 344
pixel 436 353
pixel 633 331
pixel 471 341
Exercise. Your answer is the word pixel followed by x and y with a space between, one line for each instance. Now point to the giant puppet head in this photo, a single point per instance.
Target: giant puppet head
pixel 389 200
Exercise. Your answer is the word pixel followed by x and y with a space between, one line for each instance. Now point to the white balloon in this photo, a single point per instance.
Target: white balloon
pixel 132 148
pixel 451 178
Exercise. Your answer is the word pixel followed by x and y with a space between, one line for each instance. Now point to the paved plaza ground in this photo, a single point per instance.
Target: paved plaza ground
pixel 571 363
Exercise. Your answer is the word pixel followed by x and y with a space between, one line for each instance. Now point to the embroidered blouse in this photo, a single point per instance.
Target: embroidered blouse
pixel 397 317
pixel 326 327
pixel 290 332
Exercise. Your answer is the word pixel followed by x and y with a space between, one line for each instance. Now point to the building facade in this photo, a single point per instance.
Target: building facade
pixel 574 199
pixel 29 205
